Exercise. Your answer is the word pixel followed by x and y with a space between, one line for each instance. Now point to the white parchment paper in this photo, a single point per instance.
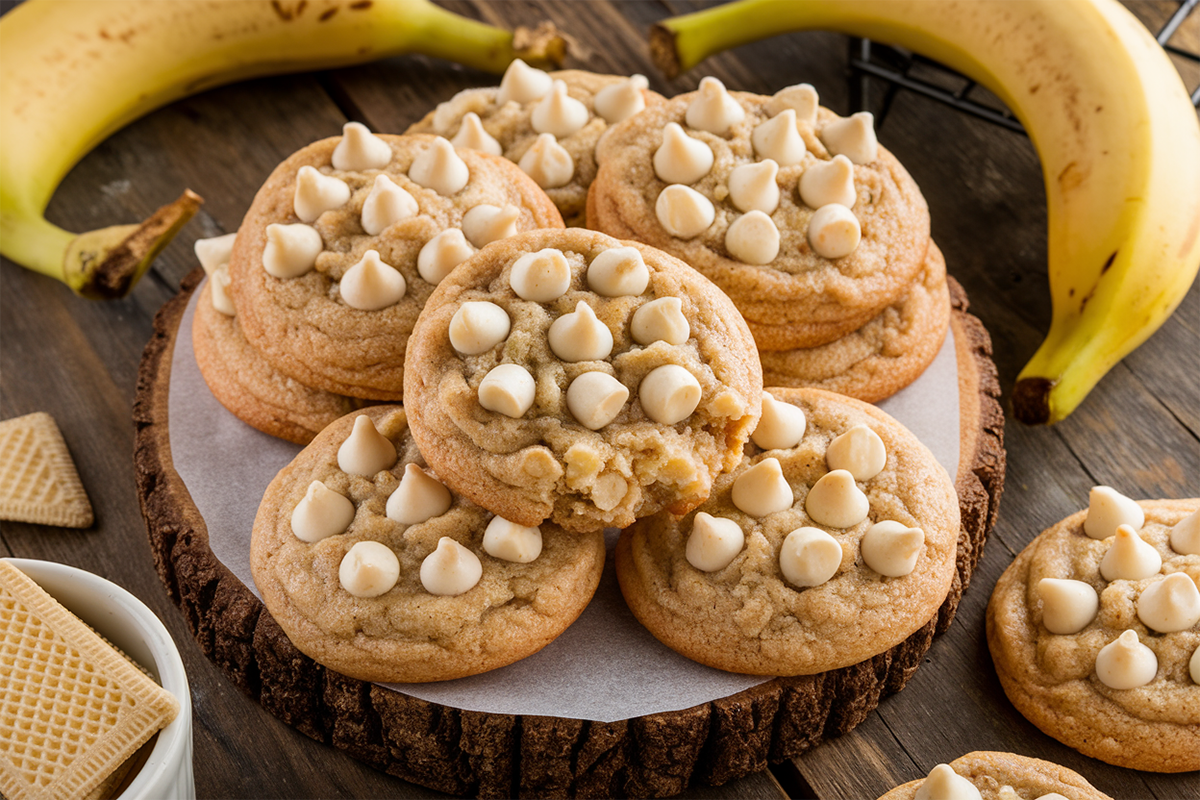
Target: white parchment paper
pixel 606 667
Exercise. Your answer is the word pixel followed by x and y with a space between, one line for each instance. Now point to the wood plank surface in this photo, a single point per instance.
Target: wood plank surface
pixel 1139 430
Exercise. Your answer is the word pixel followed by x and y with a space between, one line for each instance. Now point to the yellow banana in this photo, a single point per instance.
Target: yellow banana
pixel 75 71
pixel 1118 137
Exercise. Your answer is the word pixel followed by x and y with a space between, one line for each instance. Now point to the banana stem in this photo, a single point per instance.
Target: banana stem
pixel 680 43
pixel 444 34
pixel 32 241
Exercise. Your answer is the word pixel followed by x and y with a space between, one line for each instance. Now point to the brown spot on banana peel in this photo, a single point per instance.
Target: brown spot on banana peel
pixel 1107 266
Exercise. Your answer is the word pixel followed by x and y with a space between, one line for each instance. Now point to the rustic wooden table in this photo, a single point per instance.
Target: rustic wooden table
pixel 1139 431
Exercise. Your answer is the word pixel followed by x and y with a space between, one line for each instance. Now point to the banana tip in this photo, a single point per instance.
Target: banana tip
pixel 1031 400
pixel 662 50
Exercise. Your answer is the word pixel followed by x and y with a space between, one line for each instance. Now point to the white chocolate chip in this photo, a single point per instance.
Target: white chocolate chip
pixel 762 489
pixel 509 541
pixel 778 139
pixel 1107 509
pixel 360 149
pixel 834 231
pixel 215 252
pixel 366 451
pixel 507 389
pixel 1185 535
pixel 219 293
pixel 522 84
pixel 1067 606
pixel 752 187
pixel 781 425
pixel 859 451
pixel 683 212
pixel 669 394
pixel 291 250
pixel 618 272
pixel 321 513
pixel 660 320
pixel 1194 666
pixel 801 98
pixel 580 336
pixel 681 158
pixel 472 136
pixel 853 137
pixel 477 327
pixel 548 163
pixel 619 101
pixel 835 500
pixel 451 569
pixel 1171 604
pixel 542 276
pixel 387 203
pixel 443 253
pixel 1129 557
pixel 439 167
pixel 891 548
pixel 316 193
pixel 595 399
pixel 1126 663
pixel 943 783
pixel 369 569
pixel 1051 796
pixel 371 284
pixel 558 113
pixel 418 497
pixel 827 182
pixel 753 239
pixel 714 542
pixel 713 109
pixel 486 223
pixel 809 557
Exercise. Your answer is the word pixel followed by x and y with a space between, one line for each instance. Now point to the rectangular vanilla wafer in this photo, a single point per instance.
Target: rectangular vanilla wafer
pixel 38 479
pixel 72 708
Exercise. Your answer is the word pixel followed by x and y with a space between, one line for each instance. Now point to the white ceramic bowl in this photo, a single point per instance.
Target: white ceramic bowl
pixel 126 622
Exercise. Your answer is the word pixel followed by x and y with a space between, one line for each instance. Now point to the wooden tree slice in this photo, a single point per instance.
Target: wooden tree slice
pixel 497 755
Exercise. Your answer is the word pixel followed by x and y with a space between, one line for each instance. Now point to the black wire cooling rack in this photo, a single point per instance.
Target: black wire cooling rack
pixel 900 69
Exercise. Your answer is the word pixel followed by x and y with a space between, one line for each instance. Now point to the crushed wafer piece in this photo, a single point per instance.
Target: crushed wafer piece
pixel 73 707
pixel 38 479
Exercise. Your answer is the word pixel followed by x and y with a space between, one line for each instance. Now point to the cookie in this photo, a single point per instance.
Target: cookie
pixel 1095 627
pixel 999 776
pixel 346 240
pixel 376 570
pixel 549 130
pixel 883 356
pixel 570 376
pixel 833 540
pixel 797 214
pixel 38 479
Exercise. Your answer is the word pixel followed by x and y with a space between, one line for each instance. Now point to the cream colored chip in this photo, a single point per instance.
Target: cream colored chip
pixel 386 204
pixel 215 252
pixel 1129 557
pixel 892 548
pixel 558 113
pixel 366 451
pixel 1171 604
pixel 827 182
pixel 1185 535
pixel 369 569
pixel 660 320
pixel 219 293
pixel 618 272
pixel 834 231
pixel 778 139
pixel 1107 509
pixel 853 137
pixel 762 489
pixel 472 136
pixel 548 163
pixel 681 158
pixel 620 101
pixel 321 513
pixel 486 223
pixel 477 327
pixel 781 425
pixel 1068 606
pixel 835 500
pixel 859 451
pixel 443 253
pixel 669 394
pixel 291 250
pixel 713 543
pixel 714 109
pixel 439 167
pixel 943 783
pixel 360 149
pixel 451 569
pixel 317 193
pixel 509 541
pixel 580 336
pixel 809 557
pixel 507 389
pixel 801 98
pixel 752 187
pixel 684 212
pixel 1194 666
pixel 418 497
pixel 753 239
pixel 1126 663
pixel 371 285
pixel 542 276
pixel 522 84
